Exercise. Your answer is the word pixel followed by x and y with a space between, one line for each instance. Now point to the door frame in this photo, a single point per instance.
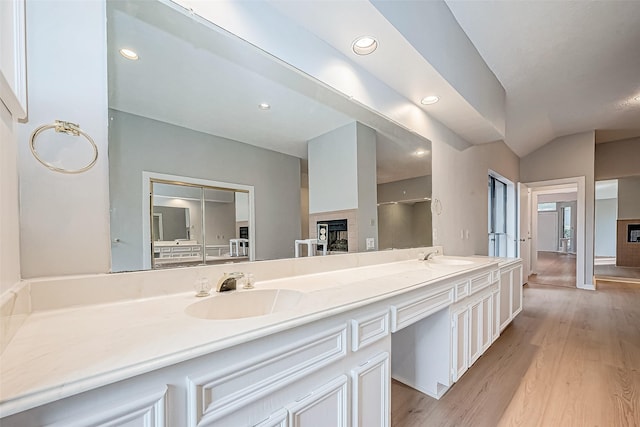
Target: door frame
pixel 560 185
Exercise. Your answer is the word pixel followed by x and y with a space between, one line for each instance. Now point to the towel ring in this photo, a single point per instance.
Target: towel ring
pixel 70 129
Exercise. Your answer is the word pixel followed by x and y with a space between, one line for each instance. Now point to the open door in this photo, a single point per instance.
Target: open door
pixel 524 229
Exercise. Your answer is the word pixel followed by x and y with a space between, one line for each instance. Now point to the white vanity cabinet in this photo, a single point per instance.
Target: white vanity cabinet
pixel 334 369
pixel 473 328
pixel 510 293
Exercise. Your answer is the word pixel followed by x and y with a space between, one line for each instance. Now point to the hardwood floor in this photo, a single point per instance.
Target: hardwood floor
pixel 571 358
pixel 613 272
pixel 556 269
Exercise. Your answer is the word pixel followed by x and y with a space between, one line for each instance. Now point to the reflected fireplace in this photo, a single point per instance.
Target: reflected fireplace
pixel 338 237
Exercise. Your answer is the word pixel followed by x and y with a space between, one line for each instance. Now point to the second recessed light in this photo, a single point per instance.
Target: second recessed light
pixel 364 45
pixel 428 100
pixel 129 54
pixel 264 106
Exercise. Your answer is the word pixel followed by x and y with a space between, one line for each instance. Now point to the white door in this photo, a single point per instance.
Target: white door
pixel 524 229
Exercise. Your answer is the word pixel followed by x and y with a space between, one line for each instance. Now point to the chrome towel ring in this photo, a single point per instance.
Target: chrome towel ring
pixel 70 129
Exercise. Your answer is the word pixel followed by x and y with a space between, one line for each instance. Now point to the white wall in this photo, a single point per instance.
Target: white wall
pixel 434 32
pixel 367 215
pixel 557 197
pixel 138 144
pixel 9 216
pixel 333 170
pixel 606 214
pixel 548 237
pixel 629 197
pixel 567 157
pixel 460 184
pixel 64 219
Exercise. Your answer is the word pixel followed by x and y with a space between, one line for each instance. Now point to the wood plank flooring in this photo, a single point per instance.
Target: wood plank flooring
pixel 571 358
pixel 556 269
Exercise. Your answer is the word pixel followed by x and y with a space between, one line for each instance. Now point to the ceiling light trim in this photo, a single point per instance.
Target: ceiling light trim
pixel 364 45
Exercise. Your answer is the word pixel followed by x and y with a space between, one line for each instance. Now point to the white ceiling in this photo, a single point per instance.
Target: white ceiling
pixel 567 66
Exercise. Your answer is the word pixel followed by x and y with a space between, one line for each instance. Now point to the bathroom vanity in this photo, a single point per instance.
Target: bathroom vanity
pixel 315 344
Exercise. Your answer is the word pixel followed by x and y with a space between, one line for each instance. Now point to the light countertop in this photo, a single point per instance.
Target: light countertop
pixel 58 353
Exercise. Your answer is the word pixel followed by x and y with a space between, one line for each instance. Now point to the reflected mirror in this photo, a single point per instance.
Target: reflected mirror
pixel 193 105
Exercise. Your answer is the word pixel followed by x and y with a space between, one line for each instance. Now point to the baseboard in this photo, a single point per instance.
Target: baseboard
pixel 587 287
pixel 441 389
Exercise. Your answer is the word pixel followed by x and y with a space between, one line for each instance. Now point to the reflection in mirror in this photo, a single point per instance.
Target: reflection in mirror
pixel 185 213
pixel 188 107
pixel 617 210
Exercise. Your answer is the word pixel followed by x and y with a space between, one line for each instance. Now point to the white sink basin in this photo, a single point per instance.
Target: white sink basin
pixel 243 304
pixel 441 260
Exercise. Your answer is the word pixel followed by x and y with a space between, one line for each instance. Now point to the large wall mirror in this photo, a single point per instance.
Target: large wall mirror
pixel 201 105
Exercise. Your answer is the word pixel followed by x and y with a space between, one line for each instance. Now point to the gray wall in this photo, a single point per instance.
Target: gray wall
pixel 617 159
pixel 404 225
pixel 406 189
pixel 138 144
pixel 629 197
pixel 567 157
pixel 174 222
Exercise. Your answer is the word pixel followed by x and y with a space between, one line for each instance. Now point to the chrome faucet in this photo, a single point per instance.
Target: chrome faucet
pixel 228 282
pixel 430 255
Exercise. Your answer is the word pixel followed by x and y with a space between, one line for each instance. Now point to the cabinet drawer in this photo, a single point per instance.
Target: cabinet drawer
pixel 369 329
pixel 462 290
pixel 182 249
pixel 214 395
pixel 480 282
pixel 405 314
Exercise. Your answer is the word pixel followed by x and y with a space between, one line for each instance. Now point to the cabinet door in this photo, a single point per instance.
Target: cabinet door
pixel 495 320
pixel 325 406
pixel 475 332
pixel 505 298
pixel 460 341
pixel 516 291
pixel 487 330
pixel 371 392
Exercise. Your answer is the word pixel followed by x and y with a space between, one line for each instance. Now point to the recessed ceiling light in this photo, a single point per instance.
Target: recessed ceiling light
pixel 637 98
pixel 129 54
pixel 364 45
pixel 420 153
pixel 428 100
pixel 264 106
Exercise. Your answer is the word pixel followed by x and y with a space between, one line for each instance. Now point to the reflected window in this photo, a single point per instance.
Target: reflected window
pixel 497 193
pixel 547 206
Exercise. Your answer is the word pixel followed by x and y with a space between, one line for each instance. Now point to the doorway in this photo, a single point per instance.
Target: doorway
pixel 554 215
